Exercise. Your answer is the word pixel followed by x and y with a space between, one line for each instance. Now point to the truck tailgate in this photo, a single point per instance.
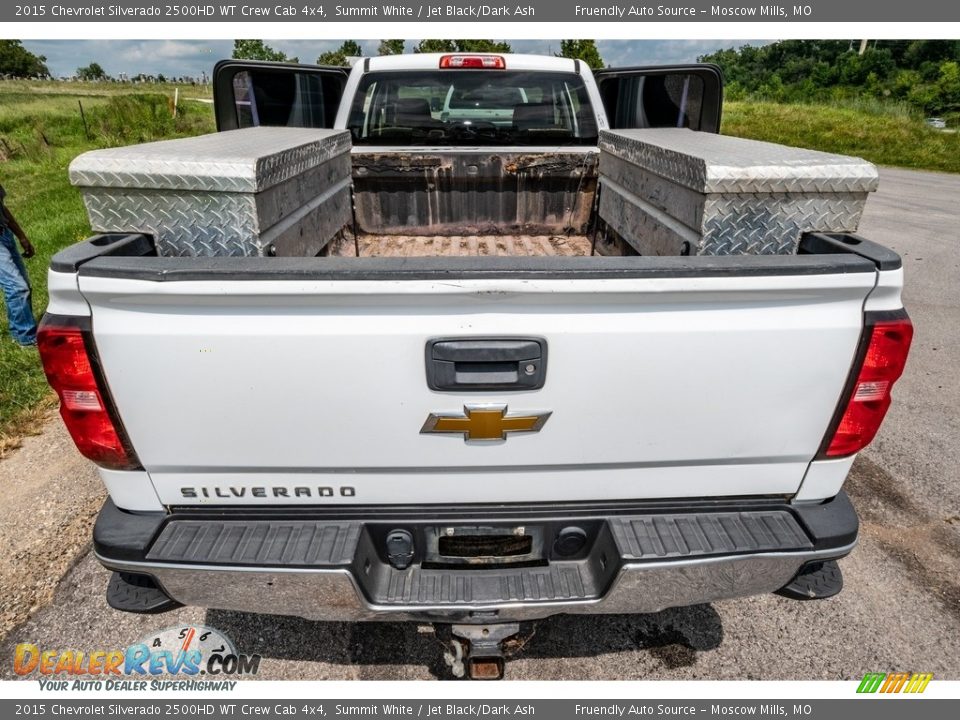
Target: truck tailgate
pixel 305 388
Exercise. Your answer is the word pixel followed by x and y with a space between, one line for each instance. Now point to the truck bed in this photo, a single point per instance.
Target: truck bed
pixel 461 245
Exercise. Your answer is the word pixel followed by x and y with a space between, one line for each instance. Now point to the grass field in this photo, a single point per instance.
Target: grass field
pixel 881 133
pixel 41 131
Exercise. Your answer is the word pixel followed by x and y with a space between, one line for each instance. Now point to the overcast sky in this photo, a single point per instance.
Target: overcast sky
pixel 176 58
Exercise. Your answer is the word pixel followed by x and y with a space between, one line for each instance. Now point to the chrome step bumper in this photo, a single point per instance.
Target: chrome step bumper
pixel 325 569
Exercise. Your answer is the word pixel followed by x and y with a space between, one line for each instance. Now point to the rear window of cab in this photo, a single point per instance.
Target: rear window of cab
pixel 472 107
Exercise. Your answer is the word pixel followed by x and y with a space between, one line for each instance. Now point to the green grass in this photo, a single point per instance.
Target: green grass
pixel 882 133
pixel 51 89
pixel 41 131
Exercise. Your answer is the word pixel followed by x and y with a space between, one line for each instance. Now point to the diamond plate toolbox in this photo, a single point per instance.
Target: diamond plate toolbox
pixel 679 192
pixel 256 191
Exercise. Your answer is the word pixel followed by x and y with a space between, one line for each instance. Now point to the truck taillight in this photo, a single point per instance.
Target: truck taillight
pixel 867 398
pixel 473 62
pixel 85 405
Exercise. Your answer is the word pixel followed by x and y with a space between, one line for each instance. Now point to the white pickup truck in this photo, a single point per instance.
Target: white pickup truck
pixel 479 411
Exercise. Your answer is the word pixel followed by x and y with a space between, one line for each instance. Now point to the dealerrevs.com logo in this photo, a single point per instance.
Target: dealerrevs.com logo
pixel 187 652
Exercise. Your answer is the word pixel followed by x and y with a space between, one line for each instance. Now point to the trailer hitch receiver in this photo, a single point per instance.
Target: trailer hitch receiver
pixel 479 652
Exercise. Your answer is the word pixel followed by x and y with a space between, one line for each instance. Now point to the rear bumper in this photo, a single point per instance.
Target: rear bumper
pixel 325 567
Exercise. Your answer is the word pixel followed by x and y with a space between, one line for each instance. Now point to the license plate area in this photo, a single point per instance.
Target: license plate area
pixel 478 546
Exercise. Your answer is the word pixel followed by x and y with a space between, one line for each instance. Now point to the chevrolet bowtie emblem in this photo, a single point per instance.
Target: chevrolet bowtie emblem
pixel 484 422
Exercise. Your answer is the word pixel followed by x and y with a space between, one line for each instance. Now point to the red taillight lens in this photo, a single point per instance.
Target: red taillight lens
pixel 473 62
pixel 869 397
pixel 84 404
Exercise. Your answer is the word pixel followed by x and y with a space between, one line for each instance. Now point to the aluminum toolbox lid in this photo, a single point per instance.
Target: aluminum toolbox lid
pixel 709 163
pixel 242 161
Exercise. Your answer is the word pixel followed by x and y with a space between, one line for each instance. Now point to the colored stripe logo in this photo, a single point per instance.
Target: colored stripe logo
pixel 899 682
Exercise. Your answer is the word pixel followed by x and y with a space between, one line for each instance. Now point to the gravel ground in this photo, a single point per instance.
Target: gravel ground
pixel 900 608
pixel 51 496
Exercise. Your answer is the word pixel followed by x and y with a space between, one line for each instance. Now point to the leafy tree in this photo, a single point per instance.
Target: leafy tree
pixel 435 46
pixel 949 86
pixel 585 50
pixel 855 69
pixel 339 56
pixel 923 95
pixel 463 46
pixel 918 52
pixel 93 71
pixel 483 46
pixel 918 72
pixel 17 61
pixel 391 47
pixel 351 48
pixel 257 50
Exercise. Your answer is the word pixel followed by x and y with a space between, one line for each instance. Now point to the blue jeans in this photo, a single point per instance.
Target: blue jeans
pixel 16 290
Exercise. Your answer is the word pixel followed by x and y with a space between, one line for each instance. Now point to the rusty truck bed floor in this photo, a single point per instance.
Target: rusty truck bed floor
pixel 458 245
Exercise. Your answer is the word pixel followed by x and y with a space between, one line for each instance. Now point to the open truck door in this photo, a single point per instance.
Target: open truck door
pixel 247 93
pixel 684 96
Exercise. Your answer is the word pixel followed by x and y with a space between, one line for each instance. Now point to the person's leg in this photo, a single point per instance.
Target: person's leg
pixel 16 291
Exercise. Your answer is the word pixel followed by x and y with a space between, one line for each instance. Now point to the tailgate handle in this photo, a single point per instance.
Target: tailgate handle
pixel 470 364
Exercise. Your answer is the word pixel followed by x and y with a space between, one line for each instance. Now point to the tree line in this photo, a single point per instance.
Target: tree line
pixel 924 74
pixel 585 50
pixel 18 62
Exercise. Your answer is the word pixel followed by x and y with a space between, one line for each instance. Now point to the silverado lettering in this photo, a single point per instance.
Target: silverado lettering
pixel 262 492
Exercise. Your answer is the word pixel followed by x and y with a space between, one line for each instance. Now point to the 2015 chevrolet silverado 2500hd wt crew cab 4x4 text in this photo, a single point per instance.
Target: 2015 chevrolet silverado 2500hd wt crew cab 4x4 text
pixel 486 395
